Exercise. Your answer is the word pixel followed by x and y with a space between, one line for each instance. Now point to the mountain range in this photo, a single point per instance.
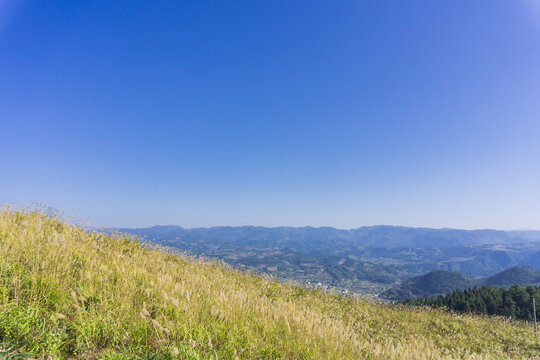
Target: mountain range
pixel 367 260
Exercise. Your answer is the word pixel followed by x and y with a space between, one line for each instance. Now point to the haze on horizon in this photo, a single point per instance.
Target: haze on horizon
pixel 131 114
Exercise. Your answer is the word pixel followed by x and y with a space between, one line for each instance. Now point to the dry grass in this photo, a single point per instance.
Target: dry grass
pixel 66 292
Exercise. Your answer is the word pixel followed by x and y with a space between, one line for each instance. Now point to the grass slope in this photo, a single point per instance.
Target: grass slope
pixel 68 293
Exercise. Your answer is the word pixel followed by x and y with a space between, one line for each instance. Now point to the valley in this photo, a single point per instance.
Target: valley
pixel 365 261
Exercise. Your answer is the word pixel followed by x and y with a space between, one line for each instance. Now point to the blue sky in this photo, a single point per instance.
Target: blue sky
pixel 201 113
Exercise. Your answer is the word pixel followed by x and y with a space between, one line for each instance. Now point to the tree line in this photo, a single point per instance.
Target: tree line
pixel 514 302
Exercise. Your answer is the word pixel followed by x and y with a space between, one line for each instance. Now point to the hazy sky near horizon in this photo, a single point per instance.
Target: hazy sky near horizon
pixel 201 113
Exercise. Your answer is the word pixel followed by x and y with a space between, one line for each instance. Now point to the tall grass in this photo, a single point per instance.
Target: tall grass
pixel 69 293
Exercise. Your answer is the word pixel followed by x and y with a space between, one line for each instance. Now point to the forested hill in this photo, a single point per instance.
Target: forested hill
pixel 514 302
pixel 517 275
pixel 442 282
pixel 434 282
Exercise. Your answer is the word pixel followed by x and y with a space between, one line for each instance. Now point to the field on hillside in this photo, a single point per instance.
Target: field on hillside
pixel 69 293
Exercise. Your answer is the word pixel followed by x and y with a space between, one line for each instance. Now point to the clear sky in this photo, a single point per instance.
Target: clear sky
pixel 201 113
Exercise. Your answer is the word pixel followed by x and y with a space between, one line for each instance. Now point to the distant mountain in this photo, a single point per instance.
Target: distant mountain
pixel 433 283
pixel 366 260
pixel 525 234
pixel 533 260
pixel 441 282
pixel 312 238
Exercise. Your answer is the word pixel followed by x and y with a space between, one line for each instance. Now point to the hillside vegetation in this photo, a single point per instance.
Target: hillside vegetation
pixel 69 293
pixel 515 302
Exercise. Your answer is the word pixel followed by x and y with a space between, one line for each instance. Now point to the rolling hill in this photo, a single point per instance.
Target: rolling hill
pixel 69 293
pixel 517 275
pixel 432 283
pixel 441 282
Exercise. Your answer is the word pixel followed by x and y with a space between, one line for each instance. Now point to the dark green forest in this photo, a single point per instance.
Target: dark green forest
pixel 514 302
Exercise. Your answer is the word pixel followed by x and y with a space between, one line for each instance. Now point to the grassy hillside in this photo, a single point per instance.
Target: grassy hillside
pixel 69 293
